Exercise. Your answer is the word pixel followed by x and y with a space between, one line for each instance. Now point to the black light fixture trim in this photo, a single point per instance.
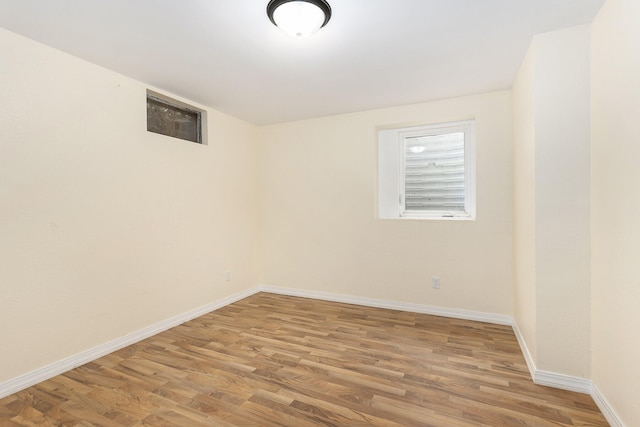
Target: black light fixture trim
pixel 322 4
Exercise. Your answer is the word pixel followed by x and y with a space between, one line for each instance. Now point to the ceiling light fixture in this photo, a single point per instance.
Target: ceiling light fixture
pixel 299 18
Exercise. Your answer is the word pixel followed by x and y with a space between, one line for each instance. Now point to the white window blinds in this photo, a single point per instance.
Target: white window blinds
pixel 434 173
pixel 427 172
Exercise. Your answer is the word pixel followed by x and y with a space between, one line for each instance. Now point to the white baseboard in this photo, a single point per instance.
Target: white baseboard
pixel 550 379
pixel 478 316
pixel 607 410
pixel 565 382
pixel 27 380
pixel 525 350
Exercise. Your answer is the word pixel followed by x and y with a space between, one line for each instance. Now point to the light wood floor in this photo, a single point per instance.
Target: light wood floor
pixel 272 360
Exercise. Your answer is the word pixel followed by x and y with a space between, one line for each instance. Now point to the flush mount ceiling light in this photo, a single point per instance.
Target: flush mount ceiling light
pixel 299 18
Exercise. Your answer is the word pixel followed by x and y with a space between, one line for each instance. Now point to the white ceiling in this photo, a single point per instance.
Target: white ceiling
pixel 226 54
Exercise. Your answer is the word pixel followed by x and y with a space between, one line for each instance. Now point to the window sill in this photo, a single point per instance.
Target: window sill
pixel 438 217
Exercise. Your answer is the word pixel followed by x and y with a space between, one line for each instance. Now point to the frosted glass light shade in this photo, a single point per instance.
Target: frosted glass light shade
pixel 299 18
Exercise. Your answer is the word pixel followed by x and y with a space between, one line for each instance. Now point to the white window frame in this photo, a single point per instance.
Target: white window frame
pixel 391 176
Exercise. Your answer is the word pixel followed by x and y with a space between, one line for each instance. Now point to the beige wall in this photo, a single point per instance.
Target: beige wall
pixel 104 227
pixel 524 202
pixel 552 202
pixel 562 164
pixel 318 211
pixel 615 206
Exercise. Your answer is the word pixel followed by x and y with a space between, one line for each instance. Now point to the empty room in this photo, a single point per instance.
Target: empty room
pixel 319 212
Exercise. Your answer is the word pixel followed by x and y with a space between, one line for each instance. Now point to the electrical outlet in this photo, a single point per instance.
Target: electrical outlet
pixel 435 282
pixel 227 276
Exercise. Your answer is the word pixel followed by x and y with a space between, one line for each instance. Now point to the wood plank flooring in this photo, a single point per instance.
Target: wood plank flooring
pixel 272 360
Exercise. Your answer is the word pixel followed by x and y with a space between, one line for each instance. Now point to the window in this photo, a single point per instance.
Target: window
pixel 173 118
pixel 427 172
